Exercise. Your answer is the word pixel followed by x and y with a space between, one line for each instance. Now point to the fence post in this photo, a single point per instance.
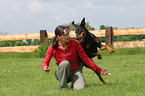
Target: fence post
pixel 108 35
pixel 43 35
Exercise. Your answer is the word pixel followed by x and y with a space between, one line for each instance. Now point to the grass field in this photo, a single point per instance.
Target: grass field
pixel 21 75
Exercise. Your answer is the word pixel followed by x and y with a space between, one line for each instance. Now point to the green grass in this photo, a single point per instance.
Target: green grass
pixel 17 55
pixel 20 76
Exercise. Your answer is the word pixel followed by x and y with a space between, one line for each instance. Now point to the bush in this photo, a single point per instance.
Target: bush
pixel 41 50
pixel 28 42
pixel 35 42
pixel 12 43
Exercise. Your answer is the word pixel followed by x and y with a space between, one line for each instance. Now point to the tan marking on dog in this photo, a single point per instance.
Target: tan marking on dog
pixel 80 36
pixel 97 54
pixel 96 39
pixel 87 46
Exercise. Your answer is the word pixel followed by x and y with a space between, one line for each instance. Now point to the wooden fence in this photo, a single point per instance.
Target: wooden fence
pixel 98 33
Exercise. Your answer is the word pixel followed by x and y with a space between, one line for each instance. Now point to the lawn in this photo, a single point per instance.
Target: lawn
pixel 23 76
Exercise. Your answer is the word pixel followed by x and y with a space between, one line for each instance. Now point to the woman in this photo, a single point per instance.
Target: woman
pixel 65 52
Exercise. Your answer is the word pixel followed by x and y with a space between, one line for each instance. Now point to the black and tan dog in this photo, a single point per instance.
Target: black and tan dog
pixel 90 43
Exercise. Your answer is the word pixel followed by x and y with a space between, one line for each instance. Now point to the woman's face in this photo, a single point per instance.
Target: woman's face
pixel 65 37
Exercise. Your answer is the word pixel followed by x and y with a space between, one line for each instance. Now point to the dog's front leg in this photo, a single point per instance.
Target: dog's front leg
pixel 107 47
pixel 97 54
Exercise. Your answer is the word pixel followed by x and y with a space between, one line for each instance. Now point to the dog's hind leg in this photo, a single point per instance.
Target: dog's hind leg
pixel 98 55
pixel 98 74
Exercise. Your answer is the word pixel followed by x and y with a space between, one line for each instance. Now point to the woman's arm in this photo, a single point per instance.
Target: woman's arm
pixel 86 59
pixel 47 59
pixel 89 62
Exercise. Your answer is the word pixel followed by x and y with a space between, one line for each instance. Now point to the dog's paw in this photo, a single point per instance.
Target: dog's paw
pixel 111 51
pixel 99 56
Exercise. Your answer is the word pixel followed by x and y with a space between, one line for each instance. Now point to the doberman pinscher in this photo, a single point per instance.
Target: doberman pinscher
pixel 90 43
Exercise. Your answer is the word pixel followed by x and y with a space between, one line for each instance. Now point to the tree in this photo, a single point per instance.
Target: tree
pixel 18 43
pixel 29 41
pixel 102 27
pixel 35 42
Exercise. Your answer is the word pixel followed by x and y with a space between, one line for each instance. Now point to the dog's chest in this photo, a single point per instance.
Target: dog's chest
pixel 90 46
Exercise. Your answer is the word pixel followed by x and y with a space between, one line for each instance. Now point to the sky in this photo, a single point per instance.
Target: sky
pixel 31 16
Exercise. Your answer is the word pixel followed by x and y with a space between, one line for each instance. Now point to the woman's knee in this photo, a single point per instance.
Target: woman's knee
pixel 65 64
pixel 79 86
pixel 78 80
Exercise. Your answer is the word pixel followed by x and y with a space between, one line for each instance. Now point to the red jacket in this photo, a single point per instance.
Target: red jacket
pixel 70 54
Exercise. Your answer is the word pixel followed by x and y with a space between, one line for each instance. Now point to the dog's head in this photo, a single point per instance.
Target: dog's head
pixel 80 30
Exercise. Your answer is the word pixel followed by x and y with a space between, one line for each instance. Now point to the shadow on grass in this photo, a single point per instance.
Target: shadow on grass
pixel 99 84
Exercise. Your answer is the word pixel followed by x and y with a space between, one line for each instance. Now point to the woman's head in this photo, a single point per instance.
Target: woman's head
pixel 60 30
pixel 61 35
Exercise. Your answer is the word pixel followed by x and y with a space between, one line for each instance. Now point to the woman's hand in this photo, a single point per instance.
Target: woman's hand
pixel 46 69
pixel 105 72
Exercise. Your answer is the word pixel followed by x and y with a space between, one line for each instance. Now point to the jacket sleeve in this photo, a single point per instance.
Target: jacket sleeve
pixel 48 56
pixel 86 59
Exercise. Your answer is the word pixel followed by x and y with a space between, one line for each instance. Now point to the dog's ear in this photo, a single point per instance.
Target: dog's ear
pixel 83 22
pixel 75 25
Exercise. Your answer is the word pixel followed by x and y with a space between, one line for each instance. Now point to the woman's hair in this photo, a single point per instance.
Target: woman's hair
pixel 58 31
